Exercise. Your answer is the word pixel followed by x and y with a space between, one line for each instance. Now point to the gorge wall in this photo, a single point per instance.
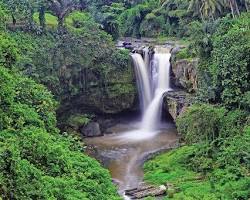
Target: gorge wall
pixel 110 95
pixel 184 81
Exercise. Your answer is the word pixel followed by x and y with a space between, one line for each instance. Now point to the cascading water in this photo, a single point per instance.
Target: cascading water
pixel 143 81
pixel 125 151
pixel 152 86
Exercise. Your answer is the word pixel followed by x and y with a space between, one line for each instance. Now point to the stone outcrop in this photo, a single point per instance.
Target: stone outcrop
pixel 185 74
pixel 175 103
pixel 110 94
pixel 91 130
pixel 184 79
pixel 145 190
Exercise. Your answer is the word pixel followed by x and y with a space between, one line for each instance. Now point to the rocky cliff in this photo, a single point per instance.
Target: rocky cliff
pixel 184 81
pixel 111 95
pixel 185 74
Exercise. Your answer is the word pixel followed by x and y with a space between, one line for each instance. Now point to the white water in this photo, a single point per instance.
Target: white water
pixel 146 57
pixel 143 81
pixel 153 82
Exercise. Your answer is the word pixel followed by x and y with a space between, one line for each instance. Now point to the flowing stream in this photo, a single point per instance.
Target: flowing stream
pixel 131 143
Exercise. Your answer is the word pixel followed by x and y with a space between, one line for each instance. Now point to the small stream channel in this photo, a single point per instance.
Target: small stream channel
pixel 124 158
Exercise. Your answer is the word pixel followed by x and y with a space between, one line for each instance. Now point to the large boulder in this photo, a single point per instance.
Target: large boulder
pixel 91 130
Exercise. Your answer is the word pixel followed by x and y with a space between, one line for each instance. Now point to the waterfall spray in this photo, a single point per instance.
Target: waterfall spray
pixel 153 83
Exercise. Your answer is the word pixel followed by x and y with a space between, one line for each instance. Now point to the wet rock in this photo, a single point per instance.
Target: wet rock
pixel 145 190
pixel 176 49
pixel 91 130
pixel 185 74
pixel 99 95
pixel 175 103
pixel 116 182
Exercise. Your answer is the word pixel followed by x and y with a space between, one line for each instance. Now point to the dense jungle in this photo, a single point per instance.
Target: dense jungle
pixel 124 99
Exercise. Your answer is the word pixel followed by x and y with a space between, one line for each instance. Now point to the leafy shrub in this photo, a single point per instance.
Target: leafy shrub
pixel 200 123
pixel 183 54
pixel 208 123
pixel 35 161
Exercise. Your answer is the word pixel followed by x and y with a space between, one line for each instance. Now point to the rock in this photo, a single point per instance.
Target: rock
pixel 91 130
pixel 145 190
pixel 116 182
pixel 175 103
pixel 118 94
pixel 176 49
pixel 185 74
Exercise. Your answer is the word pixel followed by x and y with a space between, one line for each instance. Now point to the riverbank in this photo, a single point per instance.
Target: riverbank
pixel 185 180
pixel 171 169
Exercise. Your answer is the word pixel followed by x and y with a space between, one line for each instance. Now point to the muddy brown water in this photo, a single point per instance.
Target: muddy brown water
pixel 124 157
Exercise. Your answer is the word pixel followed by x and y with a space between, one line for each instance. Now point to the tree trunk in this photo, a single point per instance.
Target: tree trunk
pixel 246 6
pixel 13 20
pixel 232 8
pixel 42 20
pixel 202 17
pixel 30 19
pixel 237 8
pixel 60 23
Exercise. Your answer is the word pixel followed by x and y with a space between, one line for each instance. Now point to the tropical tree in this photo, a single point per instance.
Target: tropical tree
pixel 110 18
pixel 211 7
pixel 17 9
pixel 206 8
pixel 233 5
pixel 245 3
pixel 195 6
pixel 62 8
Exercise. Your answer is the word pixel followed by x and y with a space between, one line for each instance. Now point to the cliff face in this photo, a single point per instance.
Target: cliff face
pixel 175 103
pixel 184 80
pixel 185 74
pixel 111 94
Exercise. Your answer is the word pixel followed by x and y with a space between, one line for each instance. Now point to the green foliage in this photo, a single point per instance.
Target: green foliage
pixel 60 64
pixel 35 164
pixel 184 54
pixel 20 96
pixel 110 18
pixel 179 167
pixel 230 62
pixel 8 50
pixel 35 161
pixel 223 48
pixel 172 168
pixel 50 20
pixel 200 123
pixel 130 20
pixel 207 123
pixel 77 121
pixel 3 17
pixel 215 167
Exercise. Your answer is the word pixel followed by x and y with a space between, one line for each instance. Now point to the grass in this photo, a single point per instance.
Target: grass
pixel 51 20
pixel 163 39
pixel 171 168
pixel 184 54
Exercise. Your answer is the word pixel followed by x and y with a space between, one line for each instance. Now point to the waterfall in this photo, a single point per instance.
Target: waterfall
pixel 153 81
pixel 143 82
pixel 146 57
pixel 160 83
